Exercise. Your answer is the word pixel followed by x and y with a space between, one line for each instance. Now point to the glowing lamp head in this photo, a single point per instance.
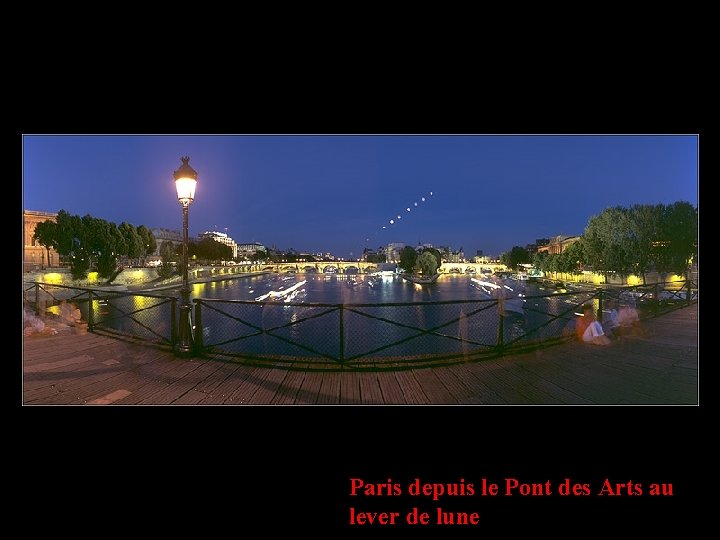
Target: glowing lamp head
pixel 185 182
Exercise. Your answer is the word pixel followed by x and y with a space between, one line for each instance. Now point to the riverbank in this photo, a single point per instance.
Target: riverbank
pixel 137 279
pixel 176 281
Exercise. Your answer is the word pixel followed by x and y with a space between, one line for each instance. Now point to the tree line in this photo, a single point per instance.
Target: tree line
pixel 205 251
pixel 89 243
pixel 92 243
pixel 425 262
pixel 626 240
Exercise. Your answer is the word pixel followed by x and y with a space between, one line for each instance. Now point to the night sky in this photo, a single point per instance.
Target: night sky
pixel 335 193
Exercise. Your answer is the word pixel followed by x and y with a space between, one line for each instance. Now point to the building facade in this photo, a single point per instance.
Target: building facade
pixel 223 238
pixel 392 252
pixel 35 256
pixel 247 251
pixel 557 244
pixel 166 235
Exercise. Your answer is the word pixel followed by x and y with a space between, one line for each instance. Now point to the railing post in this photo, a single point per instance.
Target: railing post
pixel 342 333
pixel 173 321
pixel 37 301
pixel 655 300
pixel 198 326
pixel 91 314
pixel 501 334
pixel 600 305
pixel 689 291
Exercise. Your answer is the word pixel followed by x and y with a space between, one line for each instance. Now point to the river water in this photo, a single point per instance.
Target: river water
pixel 382 316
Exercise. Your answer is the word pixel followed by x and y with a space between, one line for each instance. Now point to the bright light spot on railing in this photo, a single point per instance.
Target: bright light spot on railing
pixel 53 277
pixel 140 302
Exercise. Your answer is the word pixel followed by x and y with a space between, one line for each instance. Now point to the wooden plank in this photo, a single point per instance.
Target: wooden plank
pixel 144 385
pixel 349 388
pixel 225 370
pixel 390 387
pixel 267 385
pixel 48 366
pixel 110 398
pixel 222 392
pixel 79 395
pixel 562 380
pixel 289 388
pixel 71 388
pixel 191 397
pixel 370 393
pixel 411 389
pixel 93 347
pixel 185 382
pixel 176 383
pixel 456 386
pixel 310 388
pixel 550 388
pixel 329 393
pixel 493 374
pixel 436 393
pixel 478 386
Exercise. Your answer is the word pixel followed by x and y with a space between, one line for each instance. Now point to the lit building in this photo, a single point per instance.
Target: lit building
pixel 248 251
pixel 36 256
pixel 166 235
pixel 393 251
pixel 557 244
pixel 223 238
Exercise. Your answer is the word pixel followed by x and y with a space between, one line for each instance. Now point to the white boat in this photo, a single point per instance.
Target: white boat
pixel 512 303
pixel 421 280
pixel 272 295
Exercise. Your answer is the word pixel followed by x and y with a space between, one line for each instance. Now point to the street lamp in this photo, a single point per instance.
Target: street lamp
pixel 185 183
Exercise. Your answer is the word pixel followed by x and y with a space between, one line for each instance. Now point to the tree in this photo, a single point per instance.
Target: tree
pixel 427 263
pixel 46 235
pixel 66 233
pixel 435 253
pixel 633 240
pixel 104 243
pixel 135 247
pixel 148 240
pixel 209 249
pixel 70 244
pixel 408 258
pixel 259 255
pixel 645 226
pixel 539 260
pixel 375 257
pixel 515 256
pixel 571 259
pixel 167 255
pixel 608 241
pixel 678 242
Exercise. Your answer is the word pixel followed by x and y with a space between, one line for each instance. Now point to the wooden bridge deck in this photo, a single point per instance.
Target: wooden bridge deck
pixel 658 368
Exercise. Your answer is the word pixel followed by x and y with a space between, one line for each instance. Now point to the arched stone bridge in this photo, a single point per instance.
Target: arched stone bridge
pixel 345 267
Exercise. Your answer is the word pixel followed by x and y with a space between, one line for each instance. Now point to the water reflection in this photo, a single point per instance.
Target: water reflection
pixel 286 314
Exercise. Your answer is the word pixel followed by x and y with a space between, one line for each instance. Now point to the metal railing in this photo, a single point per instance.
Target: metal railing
pixel 353 336
pixel 147 317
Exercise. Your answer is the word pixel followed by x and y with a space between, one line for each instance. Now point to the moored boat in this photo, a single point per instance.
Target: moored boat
pixel 421 280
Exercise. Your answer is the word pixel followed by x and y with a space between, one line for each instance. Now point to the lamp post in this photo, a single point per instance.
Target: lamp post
pixel 185 183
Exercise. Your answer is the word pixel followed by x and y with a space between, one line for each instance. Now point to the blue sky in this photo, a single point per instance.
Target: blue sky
pixel 336 192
